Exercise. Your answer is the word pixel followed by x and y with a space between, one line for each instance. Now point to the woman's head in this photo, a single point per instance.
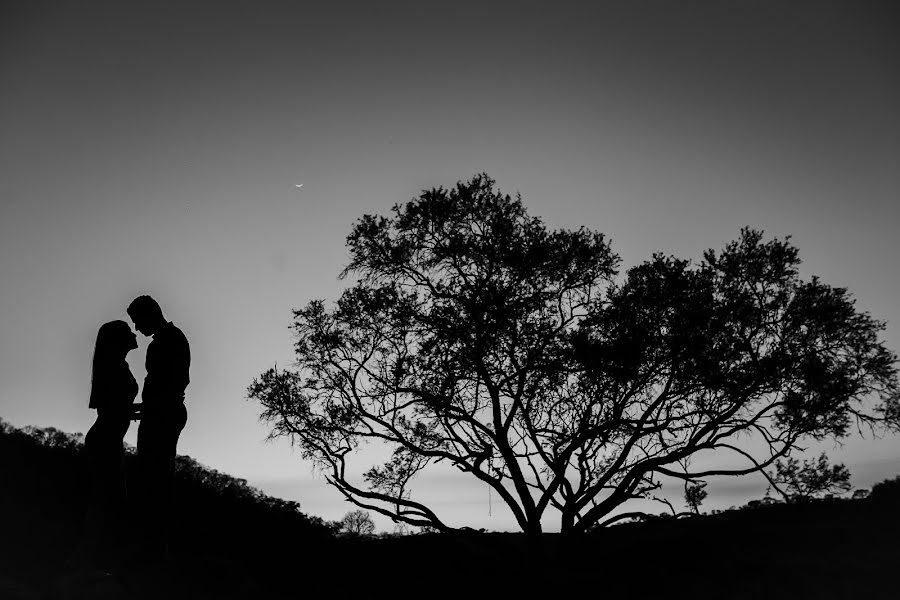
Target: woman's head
pixel 114 340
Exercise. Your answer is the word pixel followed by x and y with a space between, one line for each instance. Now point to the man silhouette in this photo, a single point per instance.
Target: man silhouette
pixel 163 415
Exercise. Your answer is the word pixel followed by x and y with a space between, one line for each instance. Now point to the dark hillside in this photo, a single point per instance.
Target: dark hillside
pixel 823 549
pixel 223 525
pixel 819 550
pixel 235 542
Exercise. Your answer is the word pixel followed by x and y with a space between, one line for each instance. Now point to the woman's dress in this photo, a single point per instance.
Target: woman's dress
pixel 112 395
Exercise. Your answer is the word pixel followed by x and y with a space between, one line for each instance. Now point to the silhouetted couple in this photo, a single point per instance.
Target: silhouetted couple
pixel 162 417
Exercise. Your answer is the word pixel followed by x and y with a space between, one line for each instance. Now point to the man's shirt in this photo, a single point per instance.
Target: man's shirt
pixel 168 363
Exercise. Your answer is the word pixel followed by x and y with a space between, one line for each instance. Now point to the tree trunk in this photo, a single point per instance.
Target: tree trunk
pixel 569 540
pixel 534 546
pixel 567 524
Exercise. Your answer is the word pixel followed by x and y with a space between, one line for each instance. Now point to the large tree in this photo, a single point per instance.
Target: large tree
pixel 476 337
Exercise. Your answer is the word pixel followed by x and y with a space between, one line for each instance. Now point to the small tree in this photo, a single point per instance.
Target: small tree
pixel 694 495
pixel 801 481
pixel 357 522
pixel 475 337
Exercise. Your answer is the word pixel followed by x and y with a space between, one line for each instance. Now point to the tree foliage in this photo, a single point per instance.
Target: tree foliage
pixel 694 495
pixel 887 491
pixel 802 481
pixel 476 337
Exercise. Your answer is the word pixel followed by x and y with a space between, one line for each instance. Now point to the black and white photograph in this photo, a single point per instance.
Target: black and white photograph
pixel 513 299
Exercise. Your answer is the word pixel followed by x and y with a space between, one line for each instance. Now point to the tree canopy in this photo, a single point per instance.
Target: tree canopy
pixel 474 336
pixel 797 481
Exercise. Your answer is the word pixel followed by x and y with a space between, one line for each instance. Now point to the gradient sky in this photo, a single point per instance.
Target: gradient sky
pixel 154 148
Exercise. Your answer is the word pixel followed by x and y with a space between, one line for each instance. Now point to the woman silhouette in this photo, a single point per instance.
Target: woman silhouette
pixel 113 390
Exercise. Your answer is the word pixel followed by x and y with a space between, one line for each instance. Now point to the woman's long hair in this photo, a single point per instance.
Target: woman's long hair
pixel 109 351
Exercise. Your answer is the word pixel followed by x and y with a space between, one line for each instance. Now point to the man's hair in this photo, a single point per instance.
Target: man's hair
pixel 145 306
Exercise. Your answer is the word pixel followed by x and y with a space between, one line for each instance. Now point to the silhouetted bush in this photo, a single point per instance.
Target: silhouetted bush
pixel 886 491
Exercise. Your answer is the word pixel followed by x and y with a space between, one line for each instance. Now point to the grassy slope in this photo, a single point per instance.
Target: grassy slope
pixel 235 543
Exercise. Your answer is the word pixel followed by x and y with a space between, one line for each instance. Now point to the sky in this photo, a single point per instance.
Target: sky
pixel 154 147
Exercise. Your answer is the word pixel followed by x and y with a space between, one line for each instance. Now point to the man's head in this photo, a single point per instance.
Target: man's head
pixel 146 315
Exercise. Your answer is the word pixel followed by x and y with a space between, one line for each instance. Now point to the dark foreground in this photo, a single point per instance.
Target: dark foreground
pixel 839 549
pixel 232 542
